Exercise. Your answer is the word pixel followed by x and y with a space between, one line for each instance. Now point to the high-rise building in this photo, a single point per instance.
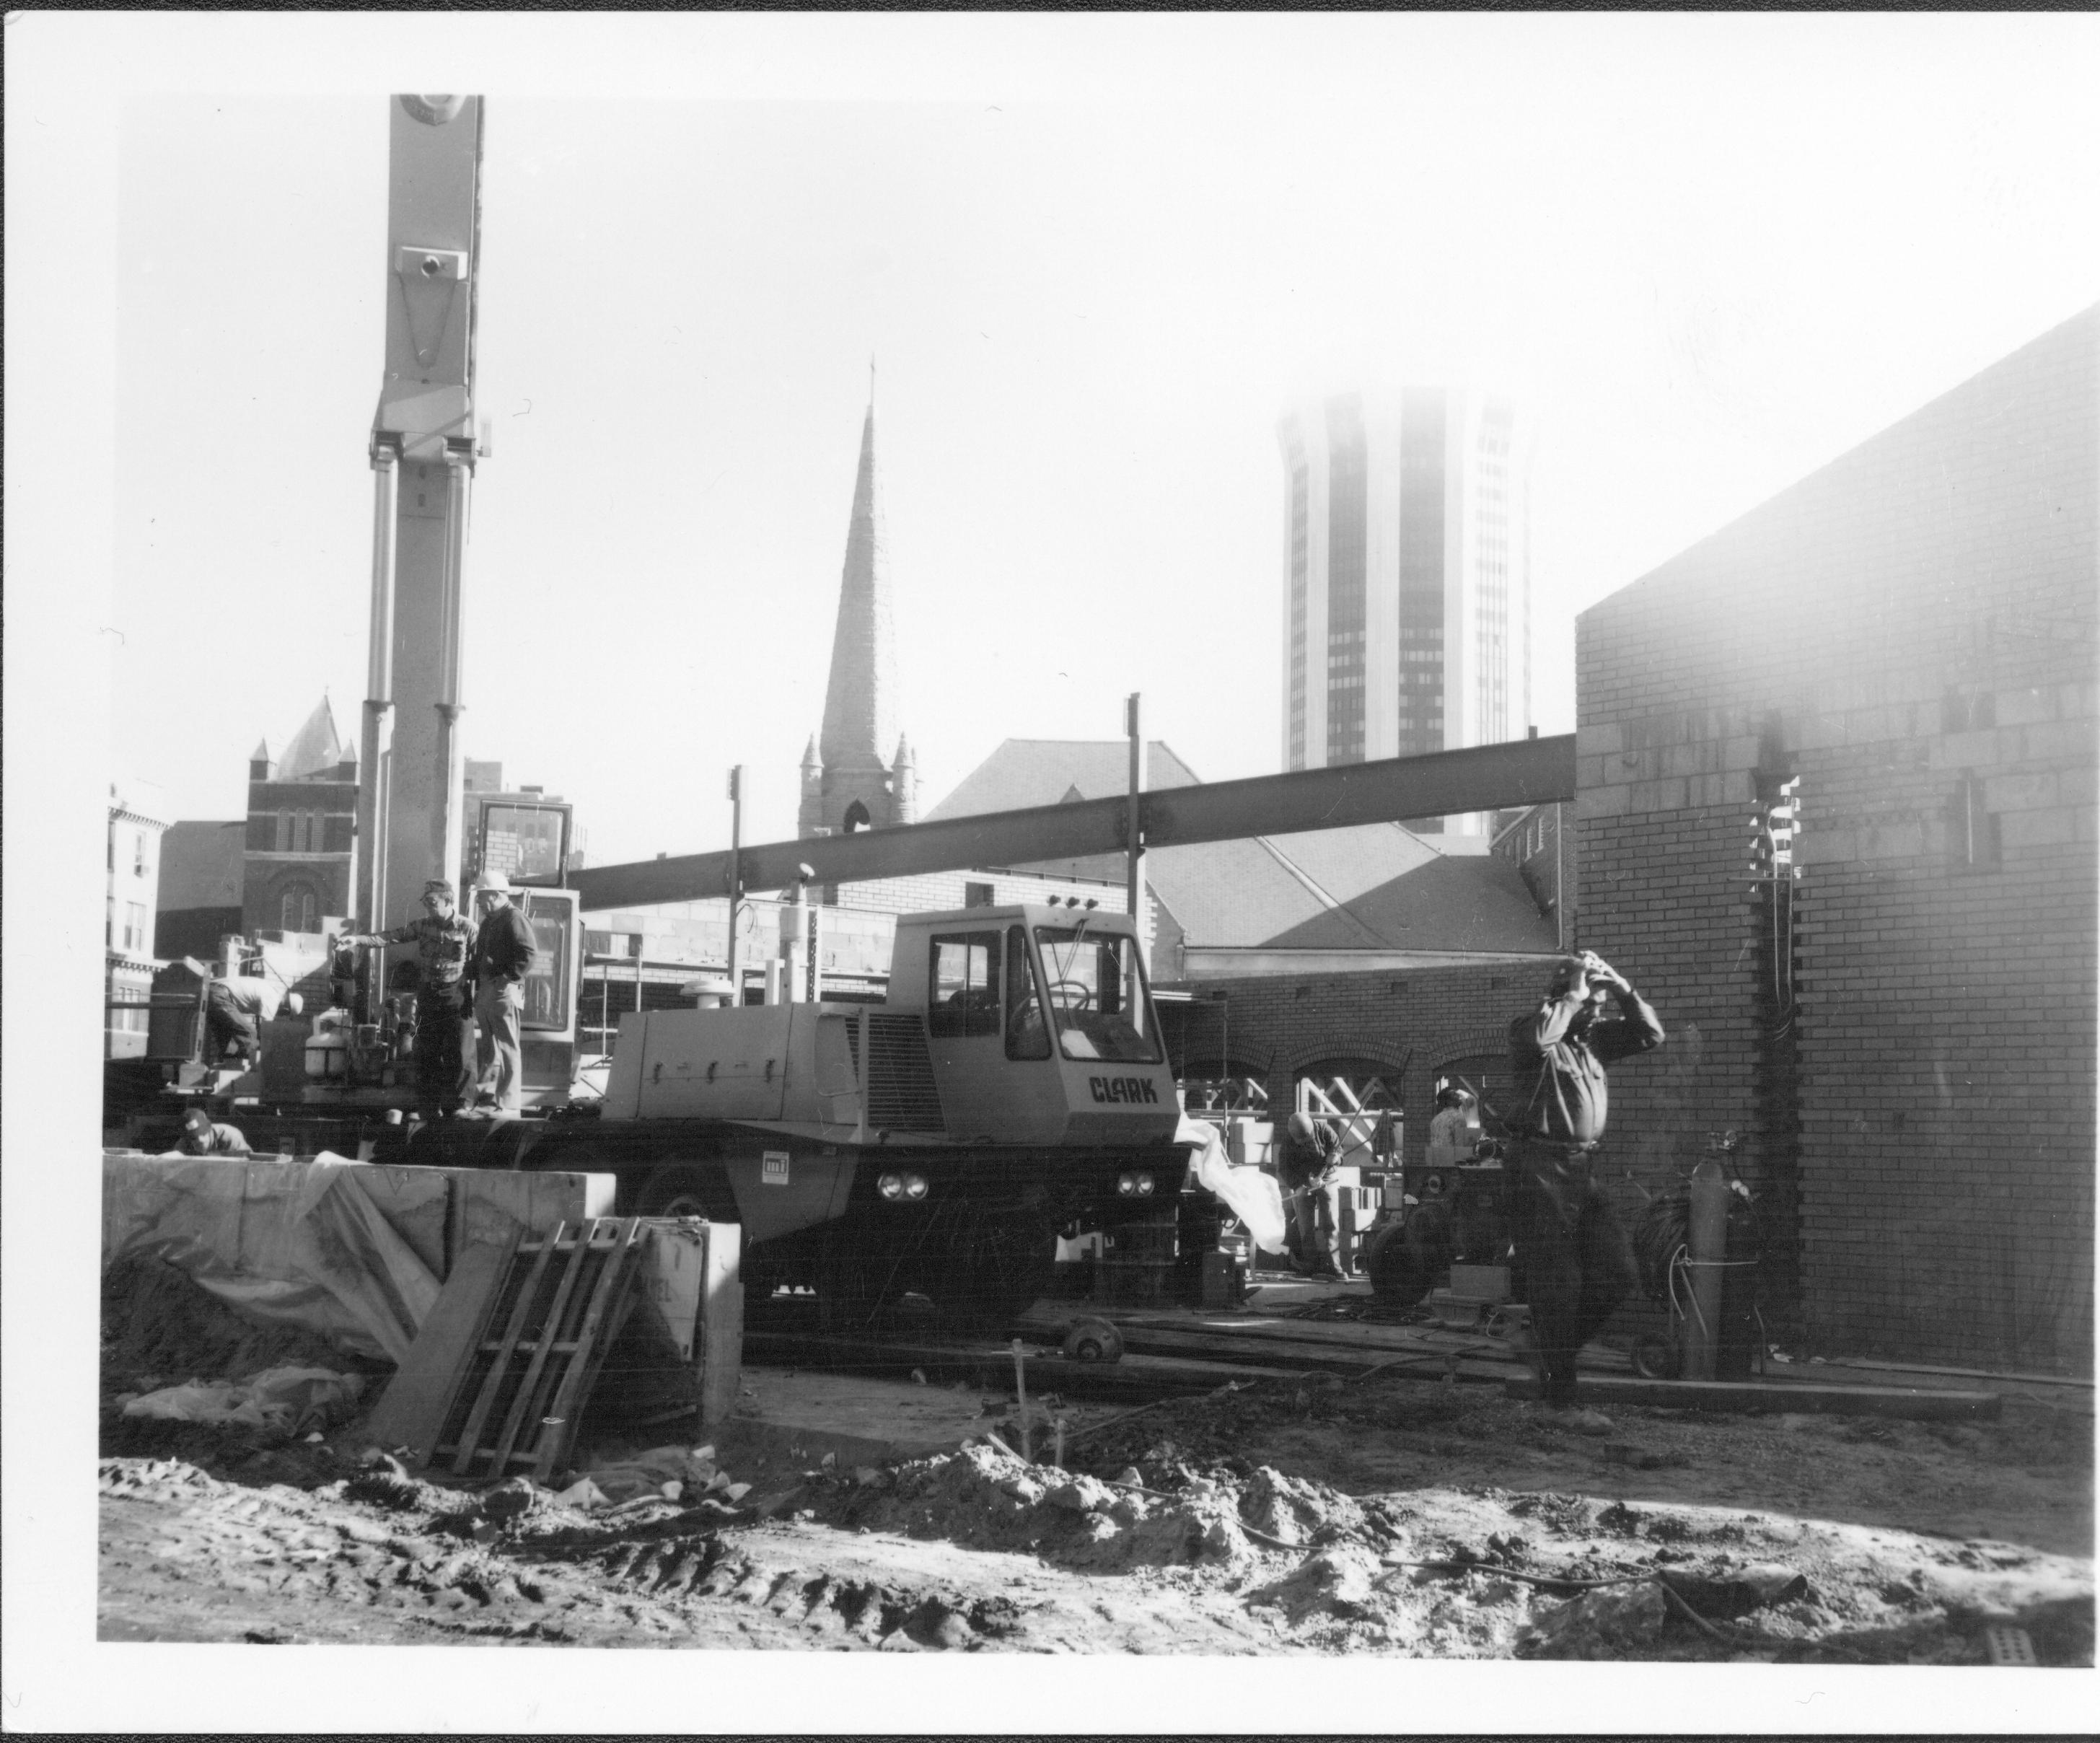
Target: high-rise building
pixel 1407 586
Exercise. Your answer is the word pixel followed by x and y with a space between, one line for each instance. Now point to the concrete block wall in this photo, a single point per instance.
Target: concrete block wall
pixel 858 932
pixel 1911 632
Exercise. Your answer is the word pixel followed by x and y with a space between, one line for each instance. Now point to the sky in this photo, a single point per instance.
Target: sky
pixel 1705 255
pixel 1094 257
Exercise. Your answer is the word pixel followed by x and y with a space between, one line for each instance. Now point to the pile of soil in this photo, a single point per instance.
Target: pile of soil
pixel 158 1324
pixel 160 1329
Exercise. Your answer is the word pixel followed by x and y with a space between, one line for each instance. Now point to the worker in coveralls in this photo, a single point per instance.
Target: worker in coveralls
pixel 235 1008
pixel 1305 1160
pixel 1577 1262
pixel 503 953
pixel 445 945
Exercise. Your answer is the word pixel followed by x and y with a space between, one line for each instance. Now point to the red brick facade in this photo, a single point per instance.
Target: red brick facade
pixel 1910 633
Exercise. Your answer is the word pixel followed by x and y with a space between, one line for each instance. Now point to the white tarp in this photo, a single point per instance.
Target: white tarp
pixel 1251 1195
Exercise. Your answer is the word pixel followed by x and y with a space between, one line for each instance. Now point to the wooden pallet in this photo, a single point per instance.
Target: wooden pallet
pixel 519 1399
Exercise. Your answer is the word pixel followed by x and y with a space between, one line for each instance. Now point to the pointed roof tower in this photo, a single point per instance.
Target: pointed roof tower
pixel 860 700
pixel 315 749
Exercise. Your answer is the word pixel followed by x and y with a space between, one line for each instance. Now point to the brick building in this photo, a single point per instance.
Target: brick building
pixel 297 864
pixel 1836 817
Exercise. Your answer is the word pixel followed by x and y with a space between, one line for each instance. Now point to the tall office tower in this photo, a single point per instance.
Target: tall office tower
pixel 1407 585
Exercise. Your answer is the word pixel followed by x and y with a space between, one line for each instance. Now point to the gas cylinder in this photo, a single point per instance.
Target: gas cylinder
pixel 1707 1251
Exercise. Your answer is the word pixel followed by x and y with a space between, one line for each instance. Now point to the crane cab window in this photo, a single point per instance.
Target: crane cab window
pixel 1097 996
pixel 965 979
pixel 1027 1035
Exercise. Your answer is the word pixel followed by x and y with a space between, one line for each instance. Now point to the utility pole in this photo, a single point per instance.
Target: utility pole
pixel 735 875
pixel 1133 724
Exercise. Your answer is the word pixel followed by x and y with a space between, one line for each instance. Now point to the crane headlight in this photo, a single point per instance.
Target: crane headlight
pixel 1145 1185
pixel 1127 1185
pixel 891 1186
pixel 915 1187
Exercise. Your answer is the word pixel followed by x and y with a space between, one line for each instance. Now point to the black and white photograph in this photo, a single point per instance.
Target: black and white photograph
pixel 1256 853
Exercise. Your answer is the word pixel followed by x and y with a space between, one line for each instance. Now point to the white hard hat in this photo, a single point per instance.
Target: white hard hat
pixel 492 880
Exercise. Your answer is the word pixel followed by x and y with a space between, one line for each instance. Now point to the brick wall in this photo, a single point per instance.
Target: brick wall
pixel 1910 632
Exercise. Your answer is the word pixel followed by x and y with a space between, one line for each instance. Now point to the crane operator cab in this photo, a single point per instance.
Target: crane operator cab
pixel 1039 1024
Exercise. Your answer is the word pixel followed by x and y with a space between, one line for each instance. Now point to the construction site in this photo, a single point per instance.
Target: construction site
pixel 833 1271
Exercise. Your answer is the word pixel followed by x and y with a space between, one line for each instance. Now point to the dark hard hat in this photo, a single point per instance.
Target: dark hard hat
pixel 197 1120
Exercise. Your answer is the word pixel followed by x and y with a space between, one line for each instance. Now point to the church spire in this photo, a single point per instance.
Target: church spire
pixel 846 783
pixel 859 701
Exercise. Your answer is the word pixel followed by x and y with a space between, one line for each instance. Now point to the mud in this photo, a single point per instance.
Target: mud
pixel 1395 1516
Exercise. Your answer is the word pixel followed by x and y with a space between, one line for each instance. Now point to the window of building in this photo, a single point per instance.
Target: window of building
pixel 299 908
pixel 134 925
pixel 977 895
pixel 284 840
pixel 139 854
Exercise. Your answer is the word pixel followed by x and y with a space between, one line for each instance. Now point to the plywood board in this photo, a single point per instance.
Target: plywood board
pixel 412 1410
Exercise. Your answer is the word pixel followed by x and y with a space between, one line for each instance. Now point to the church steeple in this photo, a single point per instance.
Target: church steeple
pixel 860 704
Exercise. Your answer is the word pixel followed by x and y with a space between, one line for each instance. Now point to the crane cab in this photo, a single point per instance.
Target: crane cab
pixel 1039 1024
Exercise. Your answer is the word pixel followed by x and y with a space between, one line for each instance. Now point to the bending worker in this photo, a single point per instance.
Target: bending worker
pixel 235 1008
pixel 444 942
pixel 1578 1264
pixel 503 954
pixel 1304 1163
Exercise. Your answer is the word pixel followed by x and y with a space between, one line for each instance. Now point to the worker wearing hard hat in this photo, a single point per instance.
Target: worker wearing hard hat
pixel 1306 1161
pixel 444 944
pixel 503 953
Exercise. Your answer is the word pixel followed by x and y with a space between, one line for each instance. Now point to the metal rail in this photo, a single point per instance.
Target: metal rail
pixel 1485 778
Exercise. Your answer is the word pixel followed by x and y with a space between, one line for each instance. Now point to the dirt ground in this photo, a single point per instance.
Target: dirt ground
pixel 1408 1517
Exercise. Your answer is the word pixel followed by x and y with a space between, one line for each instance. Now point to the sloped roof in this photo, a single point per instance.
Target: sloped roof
pixel 315 749
pixel 1471 901
pixel 1375 886
pixel 1025 772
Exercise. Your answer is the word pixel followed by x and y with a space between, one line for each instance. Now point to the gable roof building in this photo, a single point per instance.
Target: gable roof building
pixel 1372 897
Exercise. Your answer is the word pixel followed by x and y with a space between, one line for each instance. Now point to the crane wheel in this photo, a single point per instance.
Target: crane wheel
pixel 1655 1356
pixel 1093 1340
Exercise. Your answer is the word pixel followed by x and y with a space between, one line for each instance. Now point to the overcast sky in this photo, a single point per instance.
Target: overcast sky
pixel 1707 255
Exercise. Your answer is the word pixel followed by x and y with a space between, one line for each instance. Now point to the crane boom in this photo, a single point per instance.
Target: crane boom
pixel 423 453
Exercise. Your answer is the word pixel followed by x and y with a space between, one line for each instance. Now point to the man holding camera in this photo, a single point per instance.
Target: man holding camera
pixel 1578 1264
